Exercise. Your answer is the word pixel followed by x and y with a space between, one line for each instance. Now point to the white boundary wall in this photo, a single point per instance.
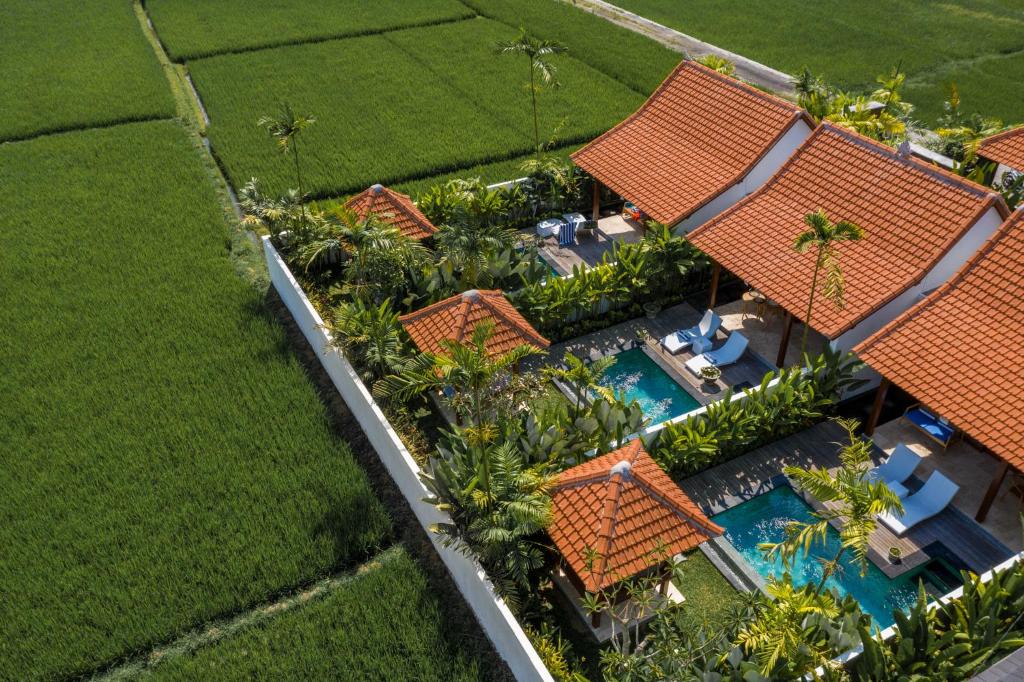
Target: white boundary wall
pixel 491 611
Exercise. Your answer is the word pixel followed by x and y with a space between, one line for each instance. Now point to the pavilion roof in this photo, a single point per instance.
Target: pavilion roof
pixel 912 214
pixel 696 136
pixel 394 208
pixel 457 317
pixel 1006 148
pixel 620 514
pixel 960 351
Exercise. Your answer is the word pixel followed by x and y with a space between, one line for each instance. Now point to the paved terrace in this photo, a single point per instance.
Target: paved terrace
pixel 750 369
pixel 745 477
pixel 589 250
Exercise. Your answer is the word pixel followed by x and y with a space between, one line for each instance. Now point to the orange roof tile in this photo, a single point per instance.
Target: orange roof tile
pixel 1006 148
pixel 961 350
pixel 696 136
pixel 456 317
pixel 622 507
pixel 394 208
pixel 912 214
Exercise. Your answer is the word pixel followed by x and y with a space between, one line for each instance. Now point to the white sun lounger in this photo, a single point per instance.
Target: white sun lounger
pixel 937 492
pixel 731 351
pixel 706 328
pixel 895 470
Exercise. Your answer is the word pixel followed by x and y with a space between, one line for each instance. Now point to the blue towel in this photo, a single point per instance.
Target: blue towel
pixel 566 234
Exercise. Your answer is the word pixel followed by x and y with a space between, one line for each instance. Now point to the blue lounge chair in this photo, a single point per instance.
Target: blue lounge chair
pixel 677 341
pixel 897 469
pixel 935 427
pixel 936 494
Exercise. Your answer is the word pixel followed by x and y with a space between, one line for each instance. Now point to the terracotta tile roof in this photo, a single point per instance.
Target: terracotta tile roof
pixel 456 318
pixel 912 214
pixel 1006 148
pixel 622 506
pixel 394 208
pixel 697 135
pixel 961 350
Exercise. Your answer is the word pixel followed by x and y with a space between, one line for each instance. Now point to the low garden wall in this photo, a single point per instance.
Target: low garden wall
pixel 491 611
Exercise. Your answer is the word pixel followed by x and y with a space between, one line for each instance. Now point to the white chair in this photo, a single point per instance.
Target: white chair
pixel 731 351
pixel 705 329
pixel 934 496
pixel 896 469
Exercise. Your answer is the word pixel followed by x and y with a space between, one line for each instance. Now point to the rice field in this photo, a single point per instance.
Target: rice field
pixel 397 106
pixel 75 63
pixel 166 458
pixel 191 29
pixel 979 44
pixel 386 624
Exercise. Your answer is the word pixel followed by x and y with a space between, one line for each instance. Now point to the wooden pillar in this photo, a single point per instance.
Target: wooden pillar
pixel 664 585
pixel 993 490
pixel 787 329
pixel 876 409
pixel 596 200
pixel 595 620
pixel 716 272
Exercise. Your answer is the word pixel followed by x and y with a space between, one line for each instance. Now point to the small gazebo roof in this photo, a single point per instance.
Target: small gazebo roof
pixel 912 214
pixel 394 208
pixel 612 514
pixel 961 350
pixel 698 135
pixel 1006 148
pixel 457 317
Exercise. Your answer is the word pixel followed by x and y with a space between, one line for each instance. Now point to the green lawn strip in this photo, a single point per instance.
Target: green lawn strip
pixel 169 462
pixel 385 623
pixel 75 64
pixel 709 596
pixel 198 28
pixel 385 115
pixel 851 43
pixel 619 53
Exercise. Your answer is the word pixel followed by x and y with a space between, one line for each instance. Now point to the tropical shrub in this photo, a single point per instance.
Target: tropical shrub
pixel 728 428
pixel 888 124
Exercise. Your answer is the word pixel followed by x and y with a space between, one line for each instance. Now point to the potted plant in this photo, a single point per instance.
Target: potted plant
pixel 652 308
pixel 641 335
pixel 895 555
pixel 710 374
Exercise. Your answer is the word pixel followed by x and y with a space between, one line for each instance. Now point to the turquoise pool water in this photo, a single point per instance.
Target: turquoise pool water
pixel 642 380
pixel 764 519
pixel 550 268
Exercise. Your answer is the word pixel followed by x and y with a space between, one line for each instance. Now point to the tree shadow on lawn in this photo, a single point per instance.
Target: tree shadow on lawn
pixel 463 632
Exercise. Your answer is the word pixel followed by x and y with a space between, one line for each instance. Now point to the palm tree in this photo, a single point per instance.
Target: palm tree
pixel 851 499
pixel 285 128
pixel 823 236
pixel 537 52
pixel 583 377
pixel 371 334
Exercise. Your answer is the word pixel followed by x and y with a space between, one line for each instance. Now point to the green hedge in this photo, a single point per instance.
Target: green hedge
pixel 166 458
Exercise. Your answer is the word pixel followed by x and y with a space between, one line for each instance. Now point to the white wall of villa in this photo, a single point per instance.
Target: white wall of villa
pixel 777 155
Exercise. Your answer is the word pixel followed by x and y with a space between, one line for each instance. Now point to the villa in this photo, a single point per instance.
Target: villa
pixel 921 224
pixel 699 144
pixel 393 208
pixel 1005 149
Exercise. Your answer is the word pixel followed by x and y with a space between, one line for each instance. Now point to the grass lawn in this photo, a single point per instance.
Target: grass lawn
pixel 396 107
pixel 709 596
pixel 979 44
pixel 167 458
pixel 199 28
pixel 386 624
pixel 75 63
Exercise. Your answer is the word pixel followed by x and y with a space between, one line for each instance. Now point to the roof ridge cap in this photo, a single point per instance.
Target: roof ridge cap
pixel 1017 129
pixel 609 513
pixel 464 307
pixel 652 489
pixel 741 84
pixel 416 314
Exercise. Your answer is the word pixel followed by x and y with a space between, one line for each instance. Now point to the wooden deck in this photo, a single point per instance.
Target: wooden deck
pixel 759 471
pixel 588 251
pixel 748 371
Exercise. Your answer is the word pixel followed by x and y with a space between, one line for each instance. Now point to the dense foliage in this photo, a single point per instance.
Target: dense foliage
pixel 167 461
pixel 387 622
pixel 441 99
pixel 191 29
pixel 76 63
pixel 728 428
pixel 850 42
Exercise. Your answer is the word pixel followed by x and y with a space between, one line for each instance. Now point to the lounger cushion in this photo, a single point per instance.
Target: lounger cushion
pixel 930 424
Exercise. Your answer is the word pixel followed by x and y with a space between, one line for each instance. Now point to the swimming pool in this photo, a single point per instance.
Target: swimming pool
pixel 552 272
pixel 643 380
pixel 764 519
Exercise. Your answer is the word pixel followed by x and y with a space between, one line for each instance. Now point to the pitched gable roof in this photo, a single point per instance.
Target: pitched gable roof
pixel 393 208
pixel 623 508
pixel 697 135
pixel 1006 148
pixel 980 313
pixel 912 214
pixel 455 318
